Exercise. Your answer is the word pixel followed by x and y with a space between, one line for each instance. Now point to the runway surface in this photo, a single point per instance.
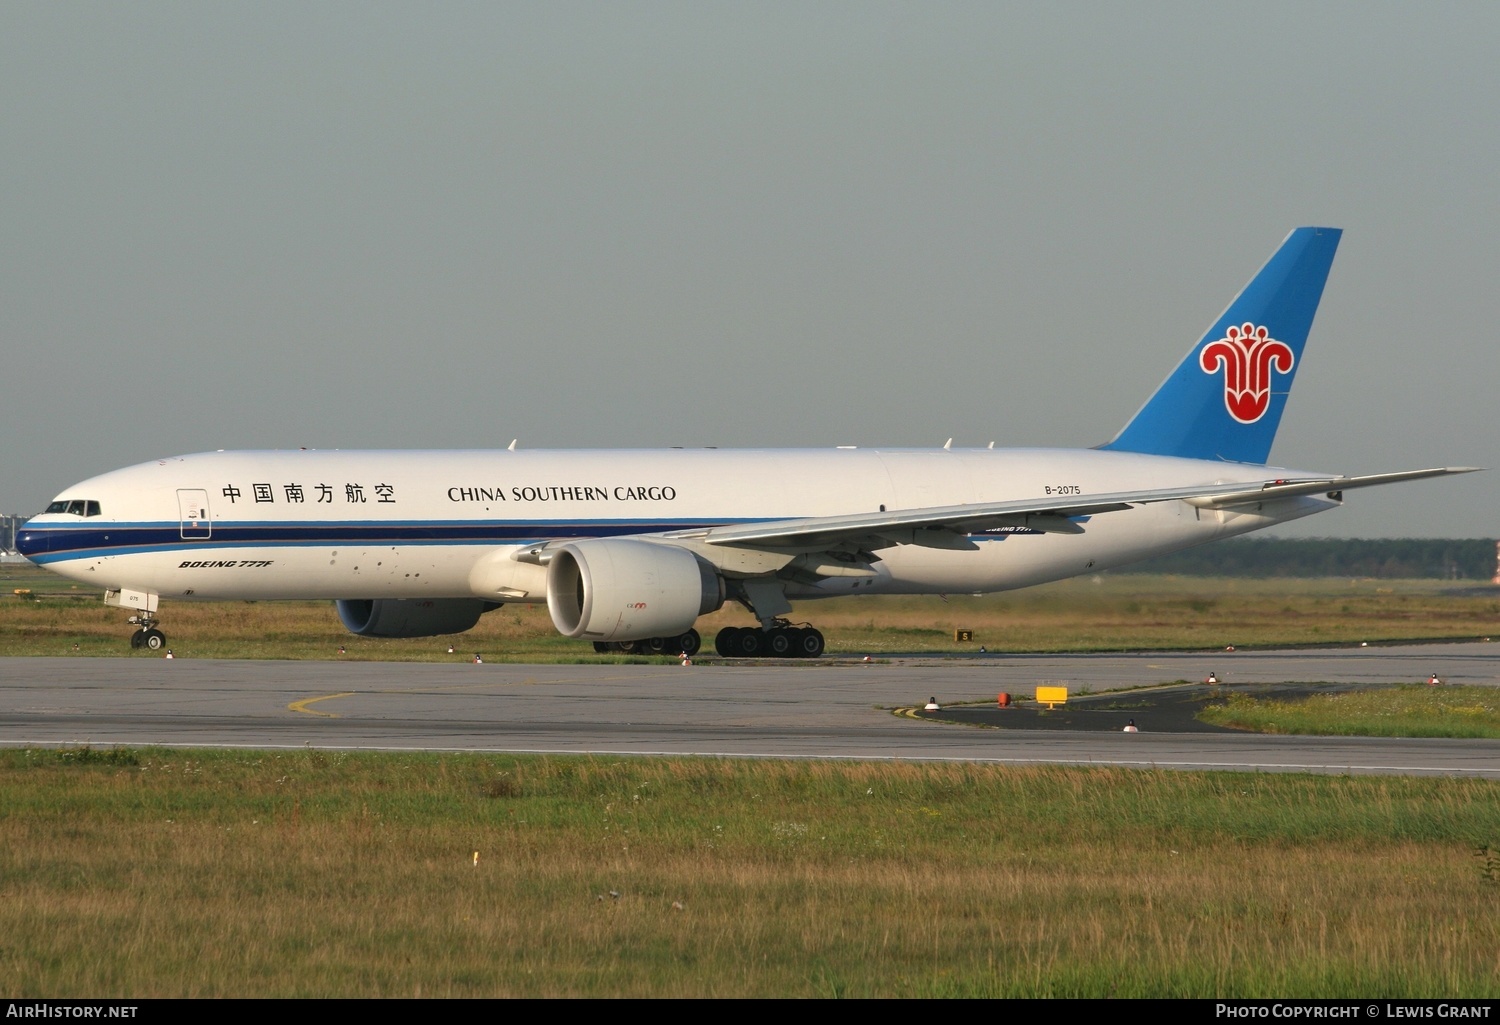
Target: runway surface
pixel 771 709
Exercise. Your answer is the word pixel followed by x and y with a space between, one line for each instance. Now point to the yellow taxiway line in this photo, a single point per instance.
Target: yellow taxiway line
pixel 301 706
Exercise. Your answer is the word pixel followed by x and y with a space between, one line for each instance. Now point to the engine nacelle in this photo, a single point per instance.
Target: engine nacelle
pixel 622 590
pixel 411 617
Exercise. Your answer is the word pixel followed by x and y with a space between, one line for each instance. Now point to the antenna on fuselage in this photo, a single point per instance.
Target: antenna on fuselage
pixel 512 446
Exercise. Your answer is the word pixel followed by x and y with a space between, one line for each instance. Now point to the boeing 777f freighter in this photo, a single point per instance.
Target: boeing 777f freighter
pixel 628 548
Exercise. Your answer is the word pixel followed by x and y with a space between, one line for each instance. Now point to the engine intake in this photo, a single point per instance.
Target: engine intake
pixel 411 617
pixel 622 590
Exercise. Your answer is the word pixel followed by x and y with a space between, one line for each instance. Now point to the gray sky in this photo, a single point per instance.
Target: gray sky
pixel 597 225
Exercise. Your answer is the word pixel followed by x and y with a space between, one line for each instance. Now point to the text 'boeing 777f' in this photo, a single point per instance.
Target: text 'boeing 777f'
pixel 629 548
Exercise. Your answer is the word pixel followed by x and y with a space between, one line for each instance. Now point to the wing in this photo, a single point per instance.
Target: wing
pixel 948 526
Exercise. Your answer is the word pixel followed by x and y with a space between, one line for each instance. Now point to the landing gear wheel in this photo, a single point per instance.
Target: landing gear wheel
pixel 603 647
pixel 750 643
pixel 146 635
pixel 781 642
pixel 688 644
pixel 809 643
pixel 794 636
pixel 724 642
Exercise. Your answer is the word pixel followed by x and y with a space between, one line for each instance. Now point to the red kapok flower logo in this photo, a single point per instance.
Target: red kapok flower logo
pixel 1247 355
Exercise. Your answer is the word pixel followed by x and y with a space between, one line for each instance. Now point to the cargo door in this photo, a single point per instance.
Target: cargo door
pixel 192 503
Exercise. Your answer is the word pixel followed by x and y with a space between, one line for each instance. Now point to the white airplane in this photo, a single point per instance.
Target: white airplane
pixel 629 548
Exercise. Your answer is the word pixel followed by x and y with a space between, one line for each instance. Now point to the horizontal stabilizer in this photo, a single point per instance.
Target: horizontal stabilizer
pixel 1293 488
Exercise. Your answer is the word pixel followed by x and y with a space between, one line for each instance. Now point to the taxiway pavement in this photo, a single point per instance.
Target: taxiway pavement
pixel 769 709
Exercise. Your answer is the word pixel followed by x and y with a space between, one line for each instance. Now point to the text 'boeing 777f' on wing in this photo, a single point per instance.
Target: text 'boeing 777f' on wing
pixel 629 548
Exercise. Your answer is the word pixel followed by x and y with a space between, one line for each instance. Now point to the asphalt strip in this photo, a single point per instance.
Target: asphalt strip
pixel 1171 709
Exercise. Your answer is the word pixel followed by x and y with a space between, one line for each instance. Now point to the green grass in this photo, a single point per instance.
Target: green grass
pixel 1415 710
pixel 175 873
pixel 1106 613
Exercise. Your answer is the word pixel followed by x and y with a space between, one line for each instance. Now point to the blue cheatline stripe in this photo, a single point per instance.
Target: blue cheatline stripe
pixel 43 545
pixel 64 545
pixel 483 524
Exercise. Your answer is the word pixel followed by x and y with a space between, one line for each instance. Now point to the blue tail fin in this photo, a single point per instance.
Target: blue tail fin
pixel 1224 401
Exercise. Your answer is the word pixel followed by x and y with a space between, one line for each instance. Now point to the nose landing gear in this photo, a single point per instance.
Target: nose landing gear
pixel 148 636
pixel 144 604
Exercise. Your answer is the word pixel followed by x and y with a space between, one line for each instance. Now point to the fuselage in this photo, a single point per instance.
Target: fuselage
pixel 405 524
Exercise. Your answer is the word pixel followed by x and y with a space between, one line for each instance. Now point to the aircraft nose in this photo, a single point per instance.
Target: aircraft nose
pixel 31 541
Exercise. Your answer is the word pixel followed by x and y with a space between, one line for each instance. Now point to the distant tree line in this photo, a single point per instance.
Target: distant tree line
pixel 1404 557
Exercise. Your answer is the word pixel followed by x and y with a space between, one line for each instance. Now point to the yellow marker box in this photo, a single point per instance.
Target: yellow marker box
pixel 1052 696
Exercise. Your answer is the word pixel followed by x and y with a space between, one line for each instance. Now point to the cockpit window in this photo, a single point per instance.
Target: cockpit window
pixel 76 506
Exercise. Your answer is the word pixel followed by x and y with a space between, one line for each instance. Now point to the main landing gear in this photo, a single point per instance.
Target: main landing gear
pixel 148 636
pixel 682 644
pixel 780 641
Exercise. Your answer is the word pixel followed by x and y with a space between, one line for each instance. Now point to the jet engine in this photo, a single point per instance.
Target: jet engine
pixel 411 617
pixel 614 589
